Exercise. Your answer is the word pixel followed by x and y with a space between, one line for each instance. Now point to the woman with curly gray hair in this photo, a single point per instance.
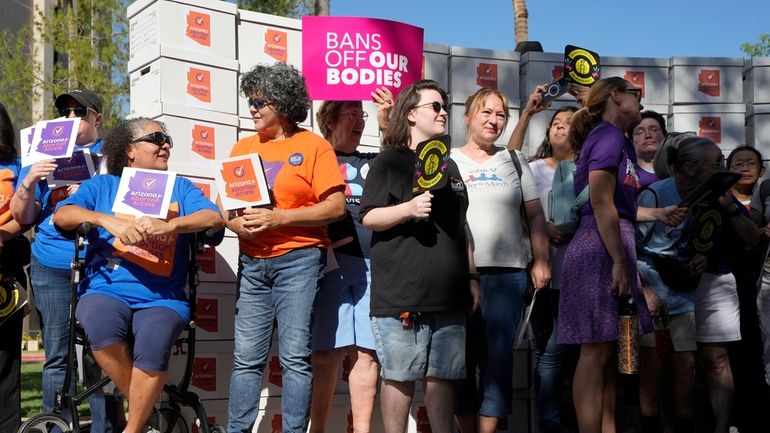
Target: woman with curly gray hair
pixel 281 245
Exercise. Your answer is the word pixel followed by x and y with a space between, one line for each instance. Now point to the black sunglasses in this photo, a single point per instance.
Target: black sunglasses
pixel 257 103
pixel 435 105
pixel 79 111
pixel 634 91
pixel 157 138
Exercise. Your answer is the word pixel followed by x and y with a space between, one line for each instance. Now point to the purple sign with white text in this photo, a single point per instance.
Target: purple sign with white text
pixel 72 169
pixel 146 191
pixel 54 138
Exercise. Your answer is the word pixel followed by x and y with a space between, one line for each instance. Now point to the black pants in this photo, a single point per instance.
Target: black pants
pixel 10 373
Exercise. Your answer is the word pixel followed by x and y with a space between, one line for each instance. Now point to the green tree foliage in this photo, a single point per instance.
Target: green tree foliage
pixel 286 8
pixel 761 48
pixel 90 46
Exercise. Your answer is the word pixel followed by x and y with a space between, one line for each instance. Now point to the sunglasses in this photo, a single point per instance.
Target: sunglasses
pixel 257 103
pixel 355 114
pixel 157 138
pixel 435 105
pixel 79 111
pixel 634 91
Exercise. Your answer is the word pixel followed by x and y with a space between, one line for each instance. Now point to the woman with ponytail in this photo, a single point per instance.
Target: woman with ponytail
pixel 599 268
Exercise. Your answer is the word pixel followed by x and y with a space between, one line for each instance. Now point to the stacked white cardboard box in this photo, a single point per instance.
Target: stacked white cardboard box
pixel 706 97
pixel 186 57
pixel 756 93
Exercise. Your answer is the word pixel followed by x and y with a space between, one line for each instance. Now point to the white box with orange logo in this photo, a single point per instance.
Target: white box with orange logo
pixel 211 368
pixel 722 123
pixel 200 136
pixel 219 265
pixel 459 131
pixel 758 128
pixel 756 81
pixel 189 84
pixel 473 69
pixel 648 74
pixel 540 68
pixel 436 64
pixel 214 311
pixel 699 80
pixel 268 39
pixel 204 29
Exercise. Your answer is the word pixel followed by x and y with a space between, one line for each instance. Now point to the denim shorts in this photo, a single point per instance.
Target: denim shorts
pixel 433 347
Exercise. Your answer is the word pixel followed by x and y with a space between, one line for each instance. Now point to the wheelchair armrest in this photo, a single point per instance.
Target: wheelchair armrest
pixel 211 237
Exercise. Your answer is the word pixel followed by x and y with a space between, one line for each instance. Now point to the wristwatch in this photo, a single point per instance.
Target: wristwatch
pixel 474 276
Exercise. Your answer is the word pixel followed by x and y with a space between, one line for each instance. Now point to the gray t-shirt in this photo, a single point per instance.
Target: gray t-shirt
pixel 494 211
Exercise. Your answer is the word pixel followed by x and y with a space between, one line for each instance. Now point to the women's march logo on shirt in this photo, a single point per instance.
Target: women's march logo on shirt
pixel 350 174
pixel 156 254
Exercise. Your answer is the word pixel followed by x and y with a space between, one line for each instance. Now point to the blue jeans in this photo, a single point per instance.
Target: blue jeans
pixel 52 290
pixel 489 344
pixel 553 361
pixel 283 288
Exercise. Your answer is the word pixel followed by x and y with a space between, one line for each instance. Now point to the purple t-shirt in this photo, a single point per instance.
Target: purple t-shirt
pixel 646 178
pixel 606 148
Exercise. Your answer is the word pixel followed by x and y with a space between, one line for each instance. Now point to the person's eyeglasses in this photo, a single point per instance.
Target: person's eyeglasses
pixel 257 103
pixel 79 111
pixel 634 91
pixel 157 138
pixel 435 105
pixel 652 130
pixel 355 114
pixel 740 165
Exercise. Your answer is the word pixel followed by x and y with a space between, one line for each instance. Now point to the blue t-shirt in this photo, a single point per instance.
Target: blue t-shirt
pixel 656 238
pixel 51 247
pixel 606 148
pixel 150 274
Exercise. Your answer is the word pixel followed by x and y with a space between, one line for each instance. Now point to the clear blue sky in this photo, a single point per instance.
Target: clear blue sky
pixel 643 28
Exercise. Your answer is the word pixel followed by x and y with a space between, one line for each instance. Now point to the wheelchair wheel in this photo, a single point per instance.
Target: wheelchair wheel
pixel 44 422
pixel 216 428
pixel 161 419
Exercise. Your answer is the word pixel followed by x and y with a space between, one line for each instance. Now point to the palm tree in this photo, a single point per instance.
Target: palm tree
pixel 520 16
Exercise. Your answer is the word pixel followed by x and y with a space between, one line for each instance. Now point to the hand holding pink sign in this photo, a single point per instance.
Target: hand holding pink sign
pixel 357 55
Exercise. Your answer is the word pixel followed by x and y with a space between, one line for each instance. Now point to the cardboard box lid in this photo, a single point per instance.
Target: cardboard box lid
pixel 268 20
pixel 167 109
pixel 753 109
pixel 708 108
pixel 483 53
pixel 706 61
pixel 215 5
pixel 535 56
pixel 634 62
pixel 435 48
pixel 188 56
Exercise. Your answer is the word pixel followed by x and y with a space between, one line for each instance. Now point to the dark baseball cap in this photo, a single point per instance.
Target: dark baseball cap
pixel 86 97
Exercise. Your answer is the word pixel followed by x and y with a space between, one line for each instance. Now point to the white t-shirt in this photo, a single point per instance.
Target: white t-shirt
pixel 544 177
pixel 494 211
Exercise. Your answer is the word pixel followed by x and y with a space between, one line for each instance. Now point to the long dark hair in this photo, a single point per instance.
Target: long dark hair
pixel 397 135
pixel 546 150
pixel 8 147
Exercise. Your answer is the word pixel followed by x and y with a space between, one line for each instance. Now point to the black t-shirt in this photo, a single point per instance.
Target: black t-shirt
pixel 709 232
pixel 417 266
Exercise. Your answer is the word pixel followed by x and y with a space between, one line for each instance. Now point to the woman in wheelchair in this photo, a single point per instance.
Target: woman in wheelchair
pixel 131 301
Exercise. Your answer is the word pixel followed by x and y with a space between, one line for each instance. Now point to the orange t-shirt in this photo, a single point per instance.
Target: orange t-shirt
pixel 299 170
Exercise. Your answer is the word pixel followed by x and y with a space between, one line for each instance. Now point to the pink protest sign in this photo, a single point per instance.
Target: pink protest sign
pixel 346 58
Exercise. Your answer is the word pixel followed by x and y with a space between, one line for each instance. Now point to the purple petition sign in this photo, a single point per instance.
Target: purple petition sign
pixel 54 138
pixel 145 192
pixel 73 168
